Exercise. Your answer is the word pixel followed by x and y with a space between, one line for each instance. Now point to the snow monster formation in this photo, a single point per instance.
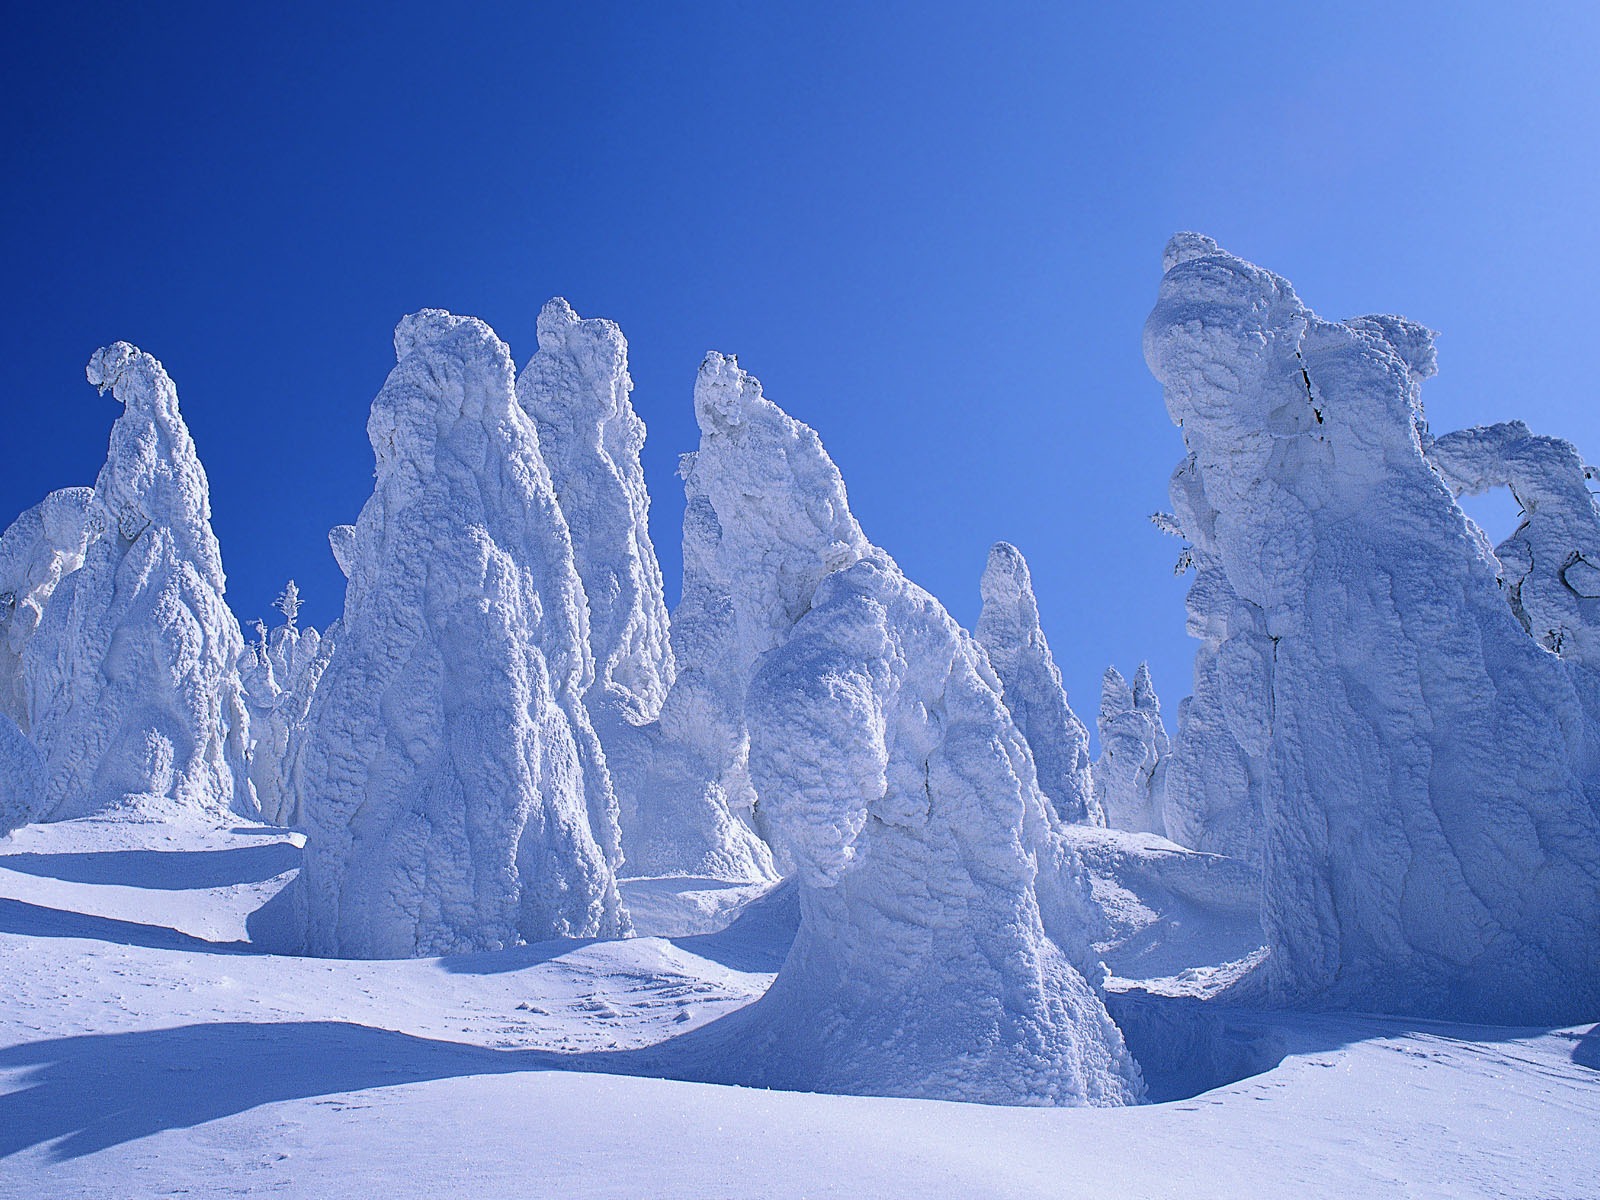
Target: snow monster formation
pixel 453 793
pixel 1550 565
pixel 1130 774
pixel 280 672
pixel 1008 630
pixel 576 388
pixel 944 923
pixel 133 691
pixel 1429 794
pixel 40 548
pixel 765 522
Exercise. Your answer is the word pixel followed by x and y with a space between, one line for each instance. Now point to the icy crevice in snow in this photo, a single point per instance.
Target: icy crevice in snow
pixel 133 693
pixel 1008 629
pixel 1431 837
pixel 453 791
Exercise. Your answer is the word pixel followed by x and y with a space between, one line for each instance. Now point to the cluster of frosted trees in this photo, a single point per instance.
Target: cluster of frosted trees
pixel 1393 721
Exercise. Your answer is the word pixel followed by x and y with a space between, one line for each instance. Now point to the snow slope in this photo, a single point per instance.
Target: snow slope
pixel 146 1048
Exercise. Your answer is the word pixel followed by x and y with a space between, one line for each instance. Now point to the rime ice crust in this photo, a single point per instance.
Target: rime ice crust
pixel 1431 836
pixel 134 699
pixel 1130 774
pixel 37 551
pixel 1008 629
pixel 280 673
pixel 454 794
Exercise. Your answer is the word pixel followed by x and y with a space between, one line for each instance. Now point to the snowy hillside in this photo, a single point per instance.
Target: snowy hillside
pixel 149 1048
pixel 509 883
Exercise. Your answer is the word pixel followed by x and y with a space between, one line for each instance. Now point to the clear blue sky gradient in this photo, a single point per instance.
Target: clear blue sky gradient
pixel 932 230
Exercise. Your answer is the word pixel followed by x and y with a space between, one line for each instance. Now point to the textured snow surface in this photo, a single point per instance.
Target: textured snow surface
pixel 1130 774
pixel 133 695
pixel 280 673
pixel 1431 833
pixel 453 791
pixel 1008 630
pixel 148 1047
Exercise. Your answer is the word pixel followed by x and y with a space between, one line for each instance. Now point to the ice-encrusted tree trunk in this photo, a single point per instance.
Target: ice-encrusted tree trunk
pixel 39 549
pixel 133 688
pixel 576 388
pixel 1431 831
pixel 1130 774
pixel 1008 629
pixel 453 793
pixel 943 942
pixel 1550 564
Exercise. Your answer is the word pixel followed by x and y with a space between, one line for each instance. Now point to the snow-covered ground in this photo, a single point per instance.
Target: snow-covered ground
pixel 151 1046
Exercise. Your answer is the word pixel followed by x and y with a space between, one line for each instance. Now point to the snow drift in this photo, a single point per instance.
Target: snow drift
pixel 453 792
pixel 1431 834
pixel 133 694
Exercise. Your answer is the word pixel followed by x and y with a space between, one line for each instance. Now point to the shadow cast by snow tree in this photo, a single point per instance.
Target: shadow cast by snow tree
pixel 36 920
pixel 1586 1053
pixel 162 870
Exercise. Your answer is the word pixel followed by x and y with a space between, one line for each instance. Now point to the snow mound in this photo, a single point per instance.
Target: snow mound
pixel 133 694
pixel 1008 630
pixel 453 792
pixel 1431 829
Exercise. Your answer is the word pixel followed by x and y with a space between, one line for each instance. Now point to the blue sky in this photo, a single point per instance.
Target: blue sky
pixel 933 230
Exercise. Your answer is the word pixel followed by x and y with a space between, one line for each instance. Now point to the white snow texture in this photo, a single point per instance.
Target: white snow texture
pixel 1130 774
pixel 453 792
pixel 133 697
pixel 1431 834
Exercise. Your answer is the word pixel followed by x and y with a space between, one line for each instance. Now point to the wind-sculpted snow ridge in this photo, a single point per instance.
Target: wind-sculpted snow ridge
pixel 1008 629
pixel 280 672
pixel 1431 831
pixel 133 692
pixel 1550 565
pixel 576 388
pixel 40 548
pixel 1129 775
pixel 451 784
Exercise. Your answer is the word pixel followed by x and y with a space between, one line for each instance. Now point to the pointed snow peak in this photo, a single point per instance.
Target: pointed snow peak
pixel 1115 694
pixel 1186 246
pixel 561 329
pixel 554 320
pixel 1008 583
pixel 1144 690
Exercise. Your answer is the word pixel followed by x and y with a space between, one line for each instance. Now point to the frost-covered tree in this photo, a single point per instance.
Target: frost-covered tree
pixel 1430 807
pixel 37 551
pixel 134 695
pixel 1130 774
pixel 280 672
pixel 576 388
pixel 1009 631
pixel 453 792
pixel 943 943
